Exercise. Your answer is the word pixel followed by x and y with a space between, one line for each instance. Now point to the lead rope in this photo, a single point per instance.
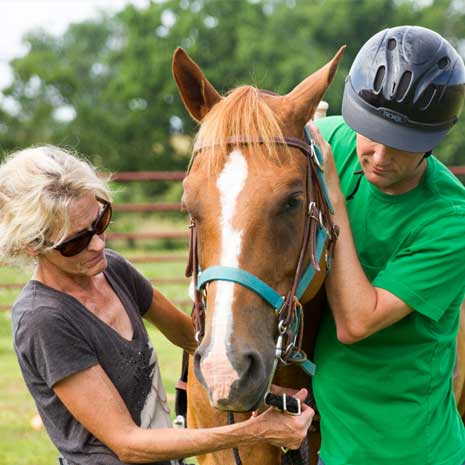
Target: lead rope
pixel 289 457
pixel 235 450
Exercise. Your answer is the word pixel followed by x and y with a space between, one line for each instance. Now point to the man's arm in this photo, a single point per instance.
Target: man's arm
pixel 359 308
pixel 172 322
pixel 108 419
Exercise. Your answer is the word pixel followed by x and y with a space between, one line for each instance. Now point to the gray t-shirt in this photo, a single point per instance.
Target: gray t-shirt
pixel 56 336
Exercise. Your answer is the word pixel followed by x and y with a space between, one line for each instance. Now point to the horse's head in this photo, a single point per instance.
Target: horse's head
pixel 248 194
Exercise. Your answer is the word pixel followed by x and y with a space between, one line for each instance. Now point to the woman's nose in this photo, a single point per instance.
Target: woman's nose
pixel 97 242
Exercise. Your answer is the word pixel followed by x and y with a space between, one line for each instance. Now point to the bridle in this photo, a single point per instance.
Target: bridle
pixel 320 233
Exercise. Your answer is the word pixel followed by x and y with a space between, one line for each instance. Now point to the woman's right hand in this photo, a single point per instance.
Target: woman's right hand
pixel 282 429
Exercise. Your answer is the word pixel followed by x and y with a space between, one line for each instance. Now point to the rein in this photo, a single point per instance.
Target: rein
pixel 318 229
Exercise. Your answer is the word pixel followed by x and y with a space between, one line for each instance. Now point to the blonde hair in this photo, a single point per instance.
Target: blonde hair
pixel 36 187
pixel 242 113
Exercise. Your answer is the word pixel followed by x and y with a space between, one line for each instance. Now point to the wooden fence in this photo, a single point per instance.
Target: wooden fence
pixel 156 176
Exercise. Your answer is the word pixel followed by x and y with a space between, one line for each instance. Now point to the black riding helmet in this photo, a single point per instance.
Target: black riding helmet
pixel 405 89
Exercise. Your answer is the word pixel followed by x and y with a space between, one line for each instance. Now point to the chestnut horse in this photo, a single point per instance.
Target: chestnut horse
pixel 255 198
pixel 247 193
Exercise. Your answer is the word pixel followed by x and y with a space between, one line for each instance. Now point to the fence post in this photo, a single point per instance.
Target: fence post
pixel 321 110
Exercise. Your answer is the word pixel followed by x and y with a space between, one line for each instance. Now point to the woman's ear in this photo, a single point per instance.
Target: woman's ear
pixel 31 251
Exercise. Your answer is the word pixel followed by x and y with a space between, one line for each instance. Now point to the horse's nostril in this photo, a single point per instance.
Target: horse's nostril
pixel 253 368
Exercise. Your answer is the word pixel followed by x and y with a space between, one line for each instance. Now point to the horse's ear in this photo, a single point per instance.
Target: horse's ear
pixel 304 98
pixel 197 94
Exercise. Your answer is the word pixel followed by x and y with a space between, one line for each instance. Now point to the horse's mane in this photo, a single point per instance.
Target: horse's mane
pixel 243 114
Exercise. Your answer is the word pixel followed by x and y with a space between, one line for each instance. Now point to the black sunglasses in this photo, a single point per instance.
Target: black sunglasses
pixel 76 244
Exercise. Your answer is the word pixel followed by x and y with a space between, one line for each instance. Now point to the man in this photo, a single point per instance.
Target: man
pixel 386 351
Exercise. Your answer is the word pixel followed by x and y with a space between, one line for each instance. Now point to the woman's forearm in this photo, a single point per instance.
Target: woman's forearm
pixel 145 445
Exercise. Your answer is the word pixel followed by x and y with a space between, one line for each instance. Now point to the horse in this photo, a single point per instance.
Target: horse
pixel 261 229
pixel 249 192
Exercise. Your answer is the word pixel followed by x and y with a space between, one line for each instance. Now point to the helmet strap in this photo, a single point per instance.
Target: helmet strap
pixel 425 156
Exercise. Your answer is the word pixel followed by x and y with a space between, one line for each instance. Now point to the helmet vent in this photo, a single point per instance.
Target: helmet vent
pixel 427 97
pixel 443 62
pixel 404 85
pixel 391 45
pixel 379 78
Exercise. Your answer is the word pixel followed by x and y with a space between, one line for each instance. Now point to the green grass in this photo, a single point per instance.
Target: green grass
pixel 20 444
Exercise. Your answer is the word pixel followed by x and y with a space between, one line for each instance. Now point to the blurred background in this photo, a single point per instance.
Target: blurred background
pixel 94 76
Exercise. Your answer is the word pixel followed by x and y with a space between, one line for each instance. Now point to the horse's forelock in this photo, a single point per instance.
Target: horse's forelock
pixel 243 114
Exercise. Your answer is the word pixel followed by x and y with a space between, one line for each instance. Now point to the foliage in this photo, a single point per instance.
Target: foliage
pixel 104 87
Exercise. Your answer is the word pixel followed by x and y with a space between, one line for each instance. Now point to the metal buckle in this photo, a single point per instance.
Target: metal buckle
pixel 299 406
pixel 179 422
pixel 311 207
pixel 312 210
pixel 279 348
pixel 315 156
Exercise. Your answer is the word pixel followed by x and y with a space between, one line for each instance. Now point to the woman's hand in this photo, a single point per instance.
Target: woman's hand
pixel 282 429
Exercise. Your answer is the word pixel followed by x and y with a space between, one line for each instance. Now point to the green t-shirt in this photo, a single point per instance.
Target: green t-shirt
pixel 388 399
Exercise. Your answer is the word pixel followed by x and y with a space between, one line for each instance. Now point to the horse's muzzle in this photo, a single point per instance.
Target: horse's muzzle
pixel 235 381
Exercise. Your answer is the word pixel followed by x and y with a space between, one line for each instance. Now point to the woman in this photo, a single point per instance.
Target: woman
pixel 78 332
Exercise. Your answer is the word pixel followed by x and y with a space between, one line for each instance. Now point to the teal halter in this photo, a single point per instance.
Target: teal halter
pixel 267 293
pixel 250 281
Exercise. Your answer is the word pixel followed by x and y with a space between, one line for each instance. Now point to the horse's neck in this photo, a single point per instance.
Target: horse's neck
pixel 312 317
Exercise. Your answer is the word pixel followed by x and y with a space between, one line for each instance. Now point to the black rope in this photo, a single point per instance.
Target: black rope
pixel 358 173
pixel 298 456
pixel 282 402
pixel 237 457
pixel 425 156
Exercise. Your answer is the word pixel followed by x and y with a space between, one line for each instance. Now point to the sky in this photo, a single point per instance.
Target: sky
pixel 20 16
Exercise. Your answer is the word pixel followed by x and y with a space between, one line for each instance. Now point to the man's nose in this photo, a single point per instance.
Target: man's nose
pixel 381 155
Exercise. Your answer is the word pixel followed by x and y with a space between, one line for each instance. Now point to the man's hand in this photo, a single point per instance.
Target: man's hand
pixel 330 173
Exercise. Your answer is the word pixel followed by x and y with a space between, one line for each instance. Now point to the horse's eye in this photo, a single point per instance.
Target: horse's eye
pixel 292 203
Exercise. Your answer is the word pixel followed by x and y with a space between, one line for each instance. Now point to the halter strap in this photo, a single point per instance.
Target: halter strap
pixel 250 281
pixel 303 146
pixel 246 279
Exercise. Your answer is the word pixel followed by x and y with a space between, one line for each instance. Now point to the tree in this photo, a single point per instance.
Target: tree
pixel 104 87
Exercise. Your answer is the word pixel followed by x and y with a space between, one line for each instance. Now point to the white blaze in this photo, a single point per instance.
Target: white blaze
pixel 216 367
